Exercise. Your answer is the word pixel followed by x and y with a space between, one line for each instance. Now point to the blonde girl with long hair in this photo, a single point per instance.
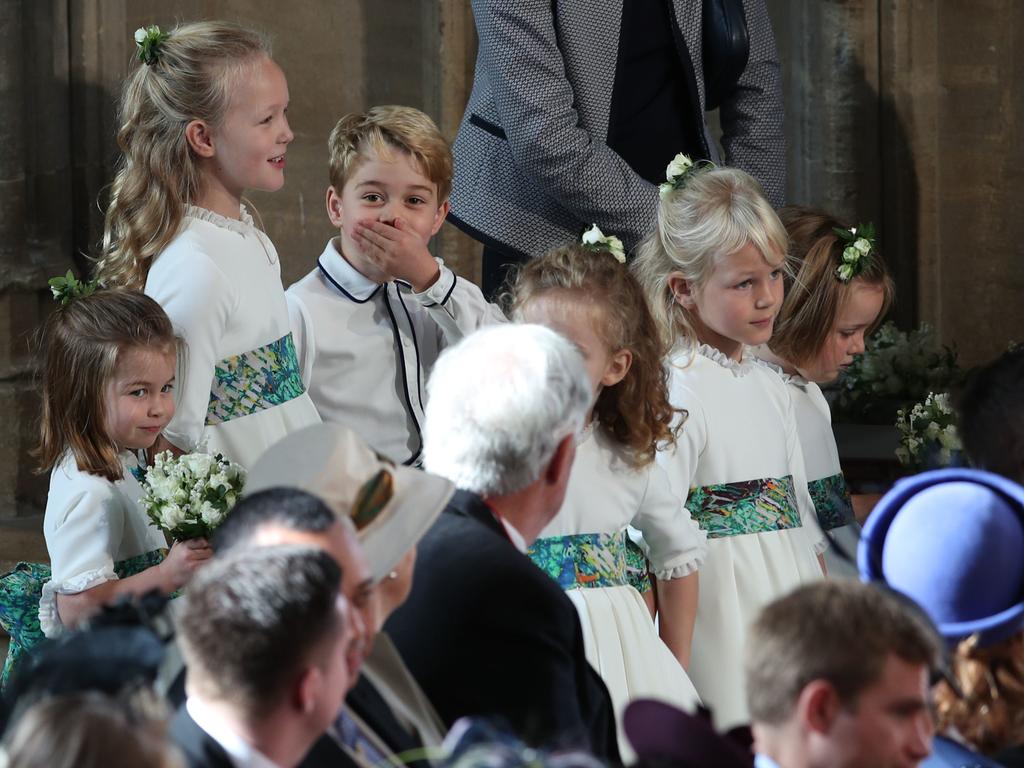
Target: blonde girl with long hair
pixel 713 270
pixel 203 117
pixel 837 294
pixel 589 297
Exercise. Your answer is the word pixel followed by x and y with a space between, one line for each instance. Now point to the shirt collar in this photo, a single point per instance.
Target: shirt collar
pixel 343 275
pixel 763 761
pixel 517 539
pixel 240 752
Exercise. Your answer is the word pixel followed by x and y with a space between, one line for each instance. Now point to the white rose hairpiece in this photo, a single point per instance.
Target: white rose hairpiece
pixel 860 247
pixel 596 240
pixel 148 40
pixel 679 171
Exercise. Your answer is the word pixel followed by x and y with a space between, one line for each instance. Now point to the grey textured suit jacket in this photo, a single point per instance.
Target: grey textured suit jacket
pixel 531 165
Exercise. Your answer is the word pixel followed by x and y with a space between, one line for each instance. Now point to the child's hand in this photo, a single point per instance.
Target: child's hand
pixel 398 252
pixel 183 560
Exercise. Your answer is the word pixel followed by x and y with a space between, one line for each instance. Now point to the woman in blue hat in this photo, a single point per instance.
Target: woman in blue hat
pixel 953 541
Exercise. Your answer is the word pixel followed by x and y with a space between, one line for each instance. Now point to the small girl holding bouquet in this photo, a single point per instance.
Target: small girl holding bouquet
pixel 838 295
pixel 108 371
pixel 587 295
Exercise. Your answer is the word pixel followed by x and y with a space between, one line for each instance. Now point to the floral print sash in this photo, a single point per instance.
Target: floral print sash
pixel 255 381
pixel 832 501
pixel 750 506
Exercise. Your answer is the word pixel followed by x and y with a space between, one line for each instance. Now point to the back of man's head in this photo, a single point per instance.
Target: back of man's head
pixel 289 508
pixel 841 632
pixel 992 416
pixel 254 620
pixel 500 403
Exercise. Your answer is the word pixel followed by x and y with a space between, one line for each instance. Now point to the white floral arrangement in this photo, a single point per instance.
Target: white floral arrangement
pixel 860 242
pixel 928 435
pixel 679 171
pixel 188 496
pixel 597 240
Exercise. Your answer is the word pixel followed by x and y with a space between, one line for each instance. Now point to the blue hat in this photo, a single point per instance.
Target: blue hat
pixel 953 541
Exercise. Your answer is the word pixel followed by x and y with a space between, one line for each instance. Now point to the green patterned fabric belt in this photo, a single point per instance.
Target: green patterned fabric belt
pixel 583 560
pixel 832 501
pixel 20 592
pixel 255 381
pixel 751 506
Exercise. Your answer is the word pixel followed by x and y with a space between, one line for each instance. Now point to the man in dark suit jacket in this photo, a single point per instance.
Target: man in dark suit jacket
pixel 485 632
pixel 579 105
pixel 265 635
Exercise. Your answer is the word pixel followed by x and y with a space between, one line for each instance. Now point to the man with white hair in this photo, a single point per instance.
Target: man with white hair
pixel 485 631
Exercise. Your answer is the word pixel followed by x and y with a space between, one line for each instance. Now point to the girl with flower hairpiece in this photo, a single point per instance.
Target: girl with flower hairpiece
pixel 713 273
pixel 585 293
pixel 101 544
pixel 839 294
pixel 204 118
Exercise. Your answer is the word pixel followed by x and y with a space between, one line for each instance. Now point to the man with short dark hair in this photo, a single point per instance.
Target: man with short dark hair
pixel 838 677
pixel 264 634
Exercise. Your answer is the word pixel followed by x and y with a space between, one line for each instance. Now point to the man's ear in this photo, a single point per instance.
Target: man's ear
pixel 440 216
pixel 307 690
pixel 200 138
pixel 561 462
pixel 334 209
pixel 817 706
pixel 683 291
pixel 618 367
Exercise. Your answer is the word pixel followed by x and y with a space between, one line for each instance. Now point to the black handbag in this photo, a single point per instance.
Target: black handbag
pixel 725 49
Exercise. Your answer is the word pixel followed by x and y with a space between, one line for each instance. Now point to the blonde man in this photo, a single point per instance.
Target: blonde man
pixel 371 319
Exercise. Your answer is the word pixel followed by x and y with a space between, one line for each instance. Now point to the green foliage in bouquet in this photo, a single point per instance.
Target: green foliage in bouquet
pixel 188 496
pixel 928 436
pixel 896 370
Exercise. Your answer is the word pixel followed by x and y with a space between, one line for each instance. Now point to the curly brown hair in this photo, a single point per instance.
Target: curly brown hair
pixel 635 413
pixel 990 714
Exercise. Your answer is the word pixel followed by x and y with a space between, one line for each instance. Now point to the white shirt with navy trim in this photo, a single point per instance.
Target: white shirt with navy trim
pixel 366 349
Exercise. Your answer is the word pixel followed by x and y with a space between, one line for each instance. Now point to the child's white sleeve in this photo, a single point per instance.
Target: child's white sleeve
pixel 457 306
pixel 680 462
pixel 675 544
pixel 82 533
pixel 795 459
pixel 303 334
pixel 199 299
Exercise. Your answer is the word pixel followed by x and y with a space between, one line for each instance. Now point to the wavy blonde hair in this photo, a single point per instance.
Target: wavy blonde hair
pixel 718 212
pixel 814 293
pixel 990 715
pixel 635 413
pixel 158 175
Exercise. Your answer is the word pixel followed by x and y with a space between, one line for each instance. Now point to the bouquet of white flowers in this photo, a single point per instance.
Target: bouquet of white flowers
pixel 188 496
pixel 928 436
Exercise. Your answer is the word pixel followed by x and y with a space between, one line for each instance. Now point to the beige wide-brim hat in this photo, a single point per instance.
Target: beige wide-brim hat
pixel 391 506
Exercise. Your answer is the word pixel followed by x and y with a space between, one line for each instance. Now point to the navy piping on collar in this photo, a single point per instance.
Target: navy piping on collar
pixel 416 347
pixel 337 285
pixel 450 290
pixel 405 378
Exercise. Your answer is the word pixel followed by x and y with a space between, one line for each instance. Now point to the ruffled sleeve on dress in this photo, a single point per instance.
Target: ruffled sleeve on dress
pixel 676 546
pixel 82 535
pixel 199 300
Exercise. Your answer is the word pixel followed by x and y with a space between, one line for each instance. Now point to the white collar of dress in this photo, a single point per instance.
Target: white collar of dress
pixel 243 225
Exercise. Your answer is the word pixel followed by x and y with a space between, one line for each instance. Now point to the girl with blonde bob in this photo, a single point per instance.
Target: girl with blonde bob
pixel 713 272
pixel 820 329
pixel 589 297
pixel 203 117
pixel 108 374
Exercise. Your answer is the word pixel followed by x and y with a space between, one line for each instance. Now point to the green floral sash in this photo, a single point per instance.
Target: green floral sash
pixel 584 560
pixel 831 501
pixel 20 592
pixel 751 506
pixel 255 381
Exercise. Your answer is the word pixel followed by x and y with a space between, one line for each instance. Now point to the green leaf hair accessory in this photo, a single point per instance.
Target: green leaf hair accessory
pixel 679 172
pixel 148 39
pixel 860 246
pixel 596 240
pixel 68 288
